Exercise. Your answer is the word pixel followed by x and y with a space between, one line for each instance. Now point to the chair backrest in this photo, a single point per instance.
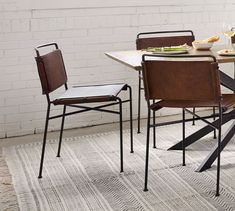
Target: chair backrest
pixel 233 39
pixel 164 38
pixel 181 79
pixel 51 69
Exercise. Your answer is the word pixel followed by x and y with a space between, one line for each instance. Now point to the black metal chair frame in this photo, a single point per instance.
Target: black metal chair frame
pixel 119 102
pixel 215 127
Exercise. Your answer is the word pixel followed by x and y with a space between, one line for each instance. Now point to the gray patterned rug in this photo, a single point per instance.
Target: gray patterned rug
pixel 87 177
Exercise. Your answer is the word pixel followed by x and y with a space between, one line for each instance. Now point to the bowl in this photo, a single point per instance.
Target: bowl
pixel 202 45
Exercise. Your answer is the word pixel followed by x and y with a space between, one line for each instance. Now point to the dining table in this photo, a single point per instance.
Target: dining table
pixel 133 59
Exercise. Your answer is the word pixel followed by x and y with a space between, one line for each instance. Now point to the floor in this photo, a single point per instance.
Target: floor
pixel 8 200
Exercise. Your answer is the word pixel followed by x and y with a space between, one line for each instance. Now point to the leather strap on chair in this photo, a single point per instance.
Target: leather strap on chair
pixel 51 71
pixel 143 43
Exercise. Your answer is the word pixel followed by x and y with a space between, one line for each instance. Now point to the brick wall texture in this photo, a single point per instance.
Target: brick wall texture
pixel 84 34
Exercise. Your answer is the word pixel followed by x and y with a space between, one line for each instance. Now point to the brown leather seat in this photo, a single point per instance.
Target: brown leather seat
pixel 53 75
pixel 228 102
pixel 184 84
pixel 159 39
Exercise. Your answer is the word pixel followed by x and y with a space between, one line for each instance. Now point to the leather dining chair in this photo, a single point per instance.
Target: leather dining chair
pixel 184 82
pixel 145 40
pixel 53 75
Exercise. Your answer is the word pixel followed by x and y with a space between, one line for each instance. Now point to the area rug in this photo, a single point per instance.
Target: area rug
pixel 87 176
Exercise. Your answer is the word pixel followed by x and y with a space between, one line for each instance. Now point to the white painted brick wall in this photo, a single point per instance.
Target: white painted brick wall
pixel 84 34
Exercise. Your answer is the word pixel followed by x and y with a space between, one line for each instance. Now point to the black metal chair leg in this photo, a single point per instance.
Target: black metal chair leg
pixel 121 135
pixel 61 131
pixel 131 119
pixel 214 120
pixel 139 103
pixel 219 149
pixel 183 133
pixel 194 110
pixel 44 140
pixel 154 128
pixel 147 153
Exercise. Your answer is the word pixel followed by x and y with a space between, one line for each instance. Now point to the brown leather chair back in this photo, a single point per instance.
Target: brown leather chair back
pixel 233 39
pixel 181 80
pixel 161 41
pixel 51 71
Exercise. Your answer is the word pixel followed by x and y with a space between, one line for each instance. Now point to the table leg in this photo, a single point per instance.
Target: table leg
pixel 202 132
pixel 227 81
pixel 208 161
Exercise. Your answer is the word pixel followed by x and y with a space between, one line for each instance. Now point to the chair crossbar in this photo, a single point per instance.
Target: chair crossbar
pixel 202 119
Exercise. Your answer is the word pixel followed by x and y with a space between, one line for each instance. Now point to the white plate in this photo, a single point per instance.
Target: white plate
pixel 202 45
pixel 226 52
pixel 170 52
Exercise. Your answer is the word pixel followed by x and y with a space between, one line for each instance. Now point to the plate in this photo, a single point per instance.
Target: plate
pixel 226 52
pixel 180 49
pixel 170 52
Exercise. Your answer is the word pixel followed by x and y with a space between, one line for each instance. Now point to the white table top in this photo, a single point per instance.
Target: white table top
pixel 133 58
